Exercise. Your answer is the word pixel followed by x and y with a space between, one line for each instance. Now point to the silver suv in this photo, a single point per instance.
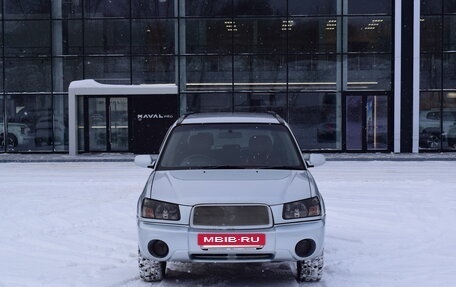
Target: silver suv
pixel 230 187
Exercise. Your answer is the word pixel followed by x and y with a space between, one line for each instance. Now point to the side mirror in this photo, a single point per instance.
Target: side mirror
pixel 316 159
pixel 145 160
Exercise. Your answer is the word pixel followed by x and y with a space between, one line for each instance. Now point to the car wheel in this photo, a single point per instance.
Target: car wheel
pixel 310 270
pixel 452 143
pixel 433 141
pixel 151 270
pixel 11 140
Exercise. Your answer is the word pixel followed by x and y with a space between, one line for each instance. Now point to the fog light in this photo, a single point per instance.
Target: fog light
pixel 305 247
pixel 158 248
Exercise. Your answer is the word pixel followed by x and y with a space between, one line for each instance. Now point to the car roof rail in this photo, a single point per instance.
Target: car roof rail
pixel 182 118
pixel 279 118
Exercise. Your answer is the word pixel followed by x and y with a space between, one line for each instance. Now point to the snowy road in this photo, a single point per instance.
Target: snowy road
pixel 73 224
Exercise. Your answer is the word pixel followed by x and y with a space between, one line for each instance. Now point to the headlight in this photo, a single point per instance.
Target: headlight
pixel 302 208
pixel 159 210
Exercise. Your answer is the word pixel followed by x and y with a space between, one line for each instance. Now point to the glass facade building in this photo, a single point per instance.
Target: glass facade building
pixel 328 67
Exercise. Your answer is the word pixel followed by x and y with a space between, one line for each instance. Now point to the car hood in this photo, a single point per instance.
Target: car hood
pixel 192 187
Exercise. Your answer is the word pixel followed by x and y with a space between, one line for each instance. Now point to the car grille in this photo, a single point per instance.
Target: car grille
pixel 240 257
pixel 231 216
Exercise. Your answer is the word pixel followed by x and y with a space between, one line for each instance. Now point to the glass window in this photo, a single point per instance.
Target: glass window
pixel 209 102
pixel 449 72
pixel 259 7
pixel 430 130
pixel 449 119
pixel 68 9
pixel 27 38
pixel 65 70
pixel 431 36
pixel 260 35
pixel 153 70
pixel 28 75
pixel 449 6
pixel 107 37
pixel 369 72
pixel 316 120
pixel 260 73
pixel 1 82
pixel 261 102
pixel 60 123
pixel 26 9
pixel 312 35
pixel 209 35
pixel 369 34
pixel 369 7
pixel 449 36
pixel 208 8
pixel 107 8
pixel 67 37
pixel 321 7
pixel 430 71
pixel 312 72
pixel 2 126
pixel 153 36
pixel 152 9
pixel 209 73
pixel 28 122
pixel 431 7
pixel 108 70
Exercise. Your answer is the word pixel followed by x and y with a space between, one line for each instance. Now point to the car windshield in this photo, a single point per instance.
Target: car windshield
pixel 230 146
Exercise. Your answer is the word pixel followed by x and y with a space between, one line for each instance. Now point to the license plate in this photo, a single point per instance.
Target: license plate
pixel 217 240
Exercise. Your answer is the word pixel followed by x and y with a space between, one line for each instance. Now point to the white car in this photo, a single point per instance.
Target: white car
pixel 234 188
pixel 18 134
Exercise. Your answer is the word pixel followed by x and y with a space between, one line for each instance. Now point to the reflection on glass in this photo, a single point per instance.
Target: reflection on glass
pixel 209 35
pixel 261 35
pixel 377 122
pixel 320 34
pixel 320 7
pixel 108 70
pixel 29 123
pixel 153 70
pixel 153 36
pixel 210 102
pixel 209 73
pixel 260 102
pixel 316 120
pixel 97 124
pixel 369 72
pixel 354 122
pixel 369 34
pixel 106 36
pixel 312 72
pixel 259 73
pixel 107 8
pixel 118 118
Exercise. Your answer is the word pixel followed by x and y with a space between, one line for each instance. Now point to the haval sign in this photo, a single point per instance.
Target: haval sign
pixel 154 116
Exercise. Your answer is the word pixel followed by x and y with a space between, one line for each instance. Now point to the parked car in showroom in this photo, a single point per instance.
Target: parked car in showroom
pixel 451 136
pixel 434 127
pixel 17 134
pixel 230 188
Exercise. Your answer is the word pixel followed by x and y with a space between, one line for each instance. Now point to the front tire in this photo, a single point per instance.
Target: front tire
pixel 151 270
pixel 310 270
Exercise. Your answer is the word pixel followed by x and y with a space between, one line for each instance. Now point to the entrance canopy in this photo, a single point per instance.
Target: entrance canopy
pixel 82 88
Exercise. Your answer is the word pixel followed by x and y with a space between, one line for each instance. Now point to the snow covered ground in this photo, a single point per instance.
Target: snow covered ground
pixel 389 223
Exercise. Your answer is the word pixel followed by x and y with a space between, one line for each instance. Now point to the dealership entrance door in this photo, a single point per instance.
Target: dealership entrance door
pixel 367 122
pixel 106 123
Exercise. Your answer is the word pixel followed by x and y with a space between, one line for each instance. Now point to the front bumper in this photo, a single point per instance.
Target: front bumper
pixel 281 241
